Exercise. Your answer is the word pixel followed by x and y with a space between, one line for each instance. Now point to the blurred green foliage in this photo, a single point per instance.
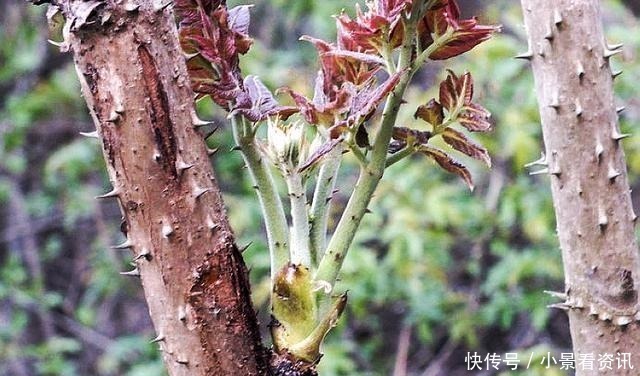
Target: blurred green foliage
pixel 461 271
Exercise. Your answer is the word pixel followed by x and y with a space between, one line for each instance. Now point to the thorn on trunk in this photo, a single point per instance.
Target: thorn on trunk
pixel 612 174
pixel 159 338
pixel 197 192
pixel 124 245
pixel 599 151
pixel 144 254
pixel 93 134
pixel 167 229
pixel 131 7
pixel 245 247
pixel 113 117
pixel 525 56
pixel 211 152
pixel 162 6
pixel 211 225
pixel 603 221
pixel 132 273
pixel 182 314
pixel 616 135
pixel 610 53
pixel 579 111
pixel 181 166
pixel 115 192
pixel 540 172
pixel 197 122
pixel 580 70
pixel 557 17
pixel 615 74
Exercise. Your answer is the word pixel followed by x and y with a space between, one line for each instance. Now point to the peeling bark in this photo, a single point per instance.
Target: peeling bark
pixel 136 86
pixel 586 164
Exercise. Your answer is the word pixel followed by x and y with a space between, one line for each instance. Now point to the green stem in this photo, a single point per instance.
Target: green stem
pixel 397 157
pixel 300 253
pixel 320 205
pixel 272 210
pixel 370 175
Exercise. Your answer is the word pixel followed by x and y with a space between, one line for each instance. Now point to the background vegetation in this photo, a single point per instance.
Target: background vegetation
pixel 436 271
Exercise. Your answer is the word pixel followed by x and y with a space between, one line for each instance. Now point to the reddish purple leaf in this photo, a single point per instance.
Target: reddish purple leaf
pixel 444 15
pixel 431 112
pixel 461 143
pixel 448 163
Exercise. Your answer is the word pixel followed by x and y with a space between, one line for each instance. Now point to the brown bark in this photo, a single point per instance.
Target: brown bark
pixel 136 86
pixel 595 218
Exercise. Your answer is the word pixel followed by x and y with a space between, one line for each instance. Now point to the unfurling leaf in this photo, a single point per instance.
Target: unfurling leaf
pixel 461 143
pixel 412 136
pixel 455 36
pixel 431 113
pixel 213 37
pixel 370 31
pixel 320 152
pixel 448 163
pixel 257 103
pixel 475 118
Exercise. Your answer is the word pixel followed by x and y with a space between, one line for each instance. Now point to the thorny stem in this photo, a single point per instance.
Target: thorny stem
pixel 300 253
pixel 370 174
pixel 272 209
pixel 321 199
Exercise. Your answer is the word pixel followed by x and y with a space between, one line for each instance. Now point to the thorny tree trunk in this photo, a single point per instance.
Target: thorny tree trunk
pixel 136 86
pixel 595 217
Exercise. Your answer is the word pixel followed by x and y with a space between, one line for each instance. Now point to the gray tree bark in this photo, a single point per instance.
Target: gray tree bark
pixel 135 83
pixel 586 164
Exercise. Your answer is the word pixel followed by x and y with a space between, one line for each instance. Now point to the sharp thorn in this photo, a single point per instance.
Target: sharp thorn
pixel 556 294
pixel 132 273
pixel 236 148
pixel 211 225
pixel 245 247
pixel 197 122
pixel 159 338
pixel 540 172
pixel 599 151
pixel 113 117
pixel 540 162
pixel 579 110
pixel 612 174
pixel 162 7
pixel 115 192
pixel 181 166
pixel 609 53
pixel 525 56
pixel 190 56
pixel 615 74
pixel 197 192
pixel 562 306
pixel 557 17
pixel 211 152
pixel 615 46
pixel 124 245
pixel 580 70
pixel 620 109
pixel 167 230
pixel 144 254
pixel 93 134
pixel 616 135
